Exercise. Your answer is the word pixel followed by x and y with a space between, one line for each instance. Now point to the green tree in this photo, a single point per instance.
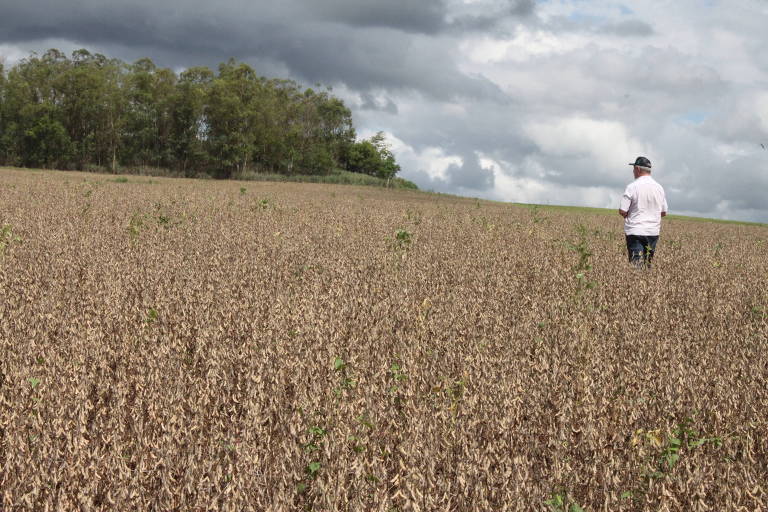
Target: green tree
pixel 363 158
pixel 35 135
pixel 93 108
pixel 373 157
pixel 232 116
pixel 4 136
pixel 336 127
pixel 45 143
pixel 388 167
pixel 150 93
pixel 89 112
pixel 189 131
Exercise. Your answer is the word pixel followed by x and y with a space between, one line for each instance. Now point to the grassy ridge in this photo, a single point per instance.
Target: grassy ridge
pixel 336 177
pixel 610 211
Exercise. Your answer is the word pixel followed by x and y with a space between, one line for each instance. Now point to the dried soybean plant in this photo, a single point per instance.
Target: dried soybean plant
pixel 184 345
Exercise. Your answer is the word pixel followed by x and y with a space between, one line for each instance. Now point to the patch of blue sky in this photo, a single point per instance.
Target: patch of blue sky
pixel 625 11
pixel 695 116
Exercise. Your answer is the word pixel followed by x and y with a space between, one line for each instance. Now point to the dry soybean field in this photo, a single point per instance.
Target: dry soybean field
pixel 205 345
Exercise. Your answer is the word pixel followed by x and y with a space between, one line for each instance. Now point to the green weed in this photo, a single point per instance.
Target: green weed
pixel 346 382
pixel 403 239
pixel 583 265
pixel 397 375
pixel 536 216
pixel 413 216
pixel 7 238
pixel 561 502
pixel 152 316
pixel 313 469
pixel 135 225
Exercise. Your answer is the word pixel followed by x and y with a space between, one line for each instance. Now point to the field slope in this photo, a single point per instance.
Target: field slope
pixel 196 345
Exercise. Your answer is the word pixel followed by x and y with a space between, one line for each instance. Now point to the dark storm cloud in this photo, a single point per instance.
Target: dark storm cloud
pixel 628 28
pixel 362 44
pixel 522 8
pixel 492 19
pixel 470 175
pixel 377 58
pixel 371 103
pixel 423 16
pixel 185 31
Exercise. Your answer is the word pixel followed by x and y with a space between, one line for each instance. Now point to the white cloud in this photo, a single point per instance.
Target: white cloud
pixel 525 45
pixel 510 186
pixel 761 110
pixel 432 161
pixel 605 143
pixel 11 54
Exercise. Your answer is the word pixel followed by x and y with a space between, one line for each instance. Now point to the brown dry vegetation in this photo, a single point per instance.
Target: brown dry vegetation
pixel 190 345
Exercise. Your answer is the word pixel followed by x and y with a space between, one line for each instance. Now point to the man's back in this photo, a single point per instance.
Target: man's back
pixel 644 201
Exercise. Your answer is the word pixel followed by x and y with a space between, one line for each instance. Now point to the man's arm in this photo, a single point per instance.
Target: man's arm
pixel 624 214
pixel 626 202
pixel 663 214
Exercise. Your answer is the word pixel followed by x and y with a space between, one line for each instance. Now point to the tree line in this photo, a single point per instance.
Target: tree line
pixel 90 112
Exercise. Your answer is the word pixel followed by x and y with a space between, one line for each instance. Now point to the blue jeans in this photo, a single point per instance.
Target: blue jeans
pixel 640 249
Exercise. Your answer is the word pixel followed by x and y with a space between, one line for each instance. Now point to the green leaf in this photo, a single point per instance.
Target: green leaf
pixel 317 431
pixel 364 421
pixel 672 459
pixel 339 364
pixel 626 494
pixel 33 382
pixel 556 501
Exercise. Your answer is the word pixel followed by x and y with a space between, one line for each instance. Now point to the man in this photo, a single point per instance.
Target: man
pixel 642 206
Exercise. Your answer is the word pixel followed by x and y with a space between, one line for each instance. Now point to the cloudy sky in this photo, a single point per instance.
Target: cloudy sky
pixel 536 101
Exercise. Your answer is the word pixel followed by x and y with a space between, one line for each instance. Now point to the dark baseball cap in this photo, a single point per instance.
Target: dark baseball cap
pixel 642 162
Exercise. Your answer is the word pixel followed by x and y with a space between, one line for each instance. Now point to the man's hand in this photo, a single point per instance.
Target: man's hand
pixel 663 214
pixel 624 214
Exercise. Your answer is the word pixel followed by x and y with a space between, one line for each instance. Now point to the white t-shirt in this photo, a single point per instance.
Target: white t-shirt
pixel 643 200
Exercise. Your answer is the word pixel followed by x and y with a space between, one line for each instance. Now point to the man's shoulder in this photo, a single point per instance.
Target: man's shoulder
pixel 657 184
pixel 649 181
